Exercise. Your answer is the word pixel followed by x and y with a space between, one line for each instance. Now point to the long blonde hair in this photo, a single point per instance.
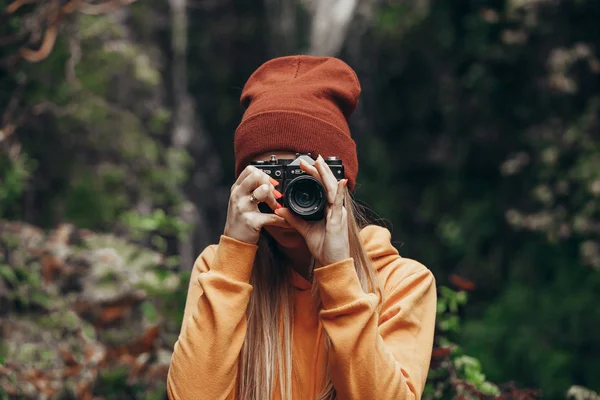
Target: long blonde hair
pixel 267 350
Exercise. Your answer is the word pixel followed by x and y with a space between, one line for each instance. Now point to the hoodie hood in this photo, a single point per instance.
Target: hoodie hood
pixel 377 241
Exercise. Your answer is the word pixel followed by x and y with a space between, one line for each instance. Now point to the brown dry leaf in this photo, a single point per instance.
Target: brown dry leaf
pixel 10 389
pixel 31 374
pixel 136 347
pixel 101 315
pixel 147 341
pixel 94 353
pixel 112 313
pixel 51 267
pixel 45 387
pixel 83 390
pixel 141 365
pixel 61 234
pixel 127 359
pixel 71 371
pixel 157 372
pixel 462 283
pixel 440 352
pixel 67 357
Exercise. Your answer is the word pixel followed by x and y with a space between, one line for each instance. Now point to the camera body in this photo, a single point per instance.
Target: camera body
pixel 304 195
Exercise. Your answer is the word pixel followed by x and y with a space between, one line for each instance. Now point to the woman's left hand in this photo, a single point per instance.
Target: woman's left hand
pixel 327 239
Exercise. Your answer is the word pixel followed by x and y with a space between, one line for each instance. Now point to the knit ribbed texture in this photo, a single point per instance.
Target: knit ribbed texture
pixel 299 104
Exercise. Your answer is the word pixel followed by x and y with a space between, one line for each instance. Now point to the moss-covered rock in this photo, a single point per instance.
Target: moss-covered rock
pixel 83 311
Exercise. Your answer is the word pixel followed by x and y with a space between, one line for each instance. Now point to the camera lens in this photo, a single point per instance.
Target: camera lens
pixel 305 196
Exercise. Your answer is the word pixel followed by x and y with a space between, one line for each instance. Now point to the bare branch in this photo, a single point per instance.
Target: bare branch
pixel 49 13
pixel 47 44
pixel 102 8
pixel 71 6
pixel 15 5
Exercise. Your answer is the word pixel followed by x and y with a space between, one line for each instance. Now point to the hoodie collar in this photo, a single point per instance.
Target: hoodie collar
pixel 377 243
pixel 299 281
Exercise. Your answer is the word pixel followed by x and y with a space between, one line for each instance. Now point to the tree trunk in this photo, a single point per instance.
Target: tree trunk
pixel 204 191
pixel 183 122
pixel 330 21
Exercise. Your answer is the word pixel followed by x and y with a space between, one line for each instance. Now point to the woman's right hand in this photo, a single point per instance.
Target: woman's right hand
pixel 244 220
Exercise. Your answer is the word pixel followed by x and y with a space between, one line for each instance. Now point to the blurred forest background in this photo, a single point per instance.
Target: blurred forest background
pixel 479 144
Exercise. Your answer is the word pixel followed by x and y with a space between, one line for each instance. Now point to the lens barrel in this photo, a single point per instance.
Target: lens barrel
pixel 305 196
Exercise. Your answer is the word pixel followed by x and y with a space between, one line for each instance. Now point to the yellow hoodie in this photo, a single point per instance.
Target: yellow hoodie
pixel 374 355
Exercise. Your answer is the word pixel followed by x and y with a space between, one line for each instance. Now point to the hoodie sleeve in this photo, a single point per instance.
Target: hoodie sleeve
pixel 381 354
pixel 204 361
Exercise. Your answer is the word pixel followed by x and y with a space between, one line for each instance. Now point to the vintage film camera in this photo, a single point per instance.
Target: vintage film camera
pixel 304 195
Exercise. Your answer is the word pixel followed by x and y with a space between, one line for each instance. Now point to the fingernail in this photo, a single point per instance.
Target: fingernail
pixel 277 194
pixel 345 182
pixel 273 182
pixel 278 206
pixel 320 159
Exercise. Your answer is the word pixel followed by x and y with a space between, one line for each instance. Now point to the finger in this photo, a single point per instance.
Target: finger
pixel 337 208
pixel 252 181
pixel 271 220
pixel 247 171
pixel 310 169
pixel 265 193
pixel 295 222
pixel 328 179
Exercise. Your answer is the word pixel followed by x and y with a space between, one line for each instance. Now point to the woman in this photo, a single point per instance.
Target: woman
pixel 283 308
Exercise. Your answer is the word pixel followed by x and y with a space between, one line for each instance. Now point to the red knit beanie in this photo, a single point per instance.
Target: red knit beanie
pixel 299 104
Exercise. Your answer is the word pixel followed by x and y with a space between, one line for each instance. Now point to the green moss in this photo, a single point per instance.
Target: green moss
pixel 159 120
pixel 157 394
pixel 94 26
pixel 145 72
pixel 3 351
pixel 149 311
pixel 111 382
pixel 14 176
pixel 87 206
pixel 7 273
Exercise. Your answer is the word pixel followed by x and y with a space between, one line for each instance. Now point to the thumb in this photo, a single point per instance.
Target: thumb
pixel 295 222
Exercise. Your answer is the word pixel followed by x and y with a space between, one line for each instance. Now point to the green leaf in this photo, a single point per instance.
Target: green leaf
pixel 461 298
pixel 88 331
pixel 489 388
pixel 149 312
pixel 8 274
pixel 40 298
pixel 441 306
pixel 450 324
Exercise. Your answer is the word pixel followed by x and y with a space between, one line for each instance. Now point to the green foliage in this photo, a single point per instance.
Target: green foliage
pixel 14 175
pixel 477 136
pixel 452 371
pixel 158 221
pixel 102 149
pixel 99 315
pixel 527 341
pixel 564 201
pixel 488 116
